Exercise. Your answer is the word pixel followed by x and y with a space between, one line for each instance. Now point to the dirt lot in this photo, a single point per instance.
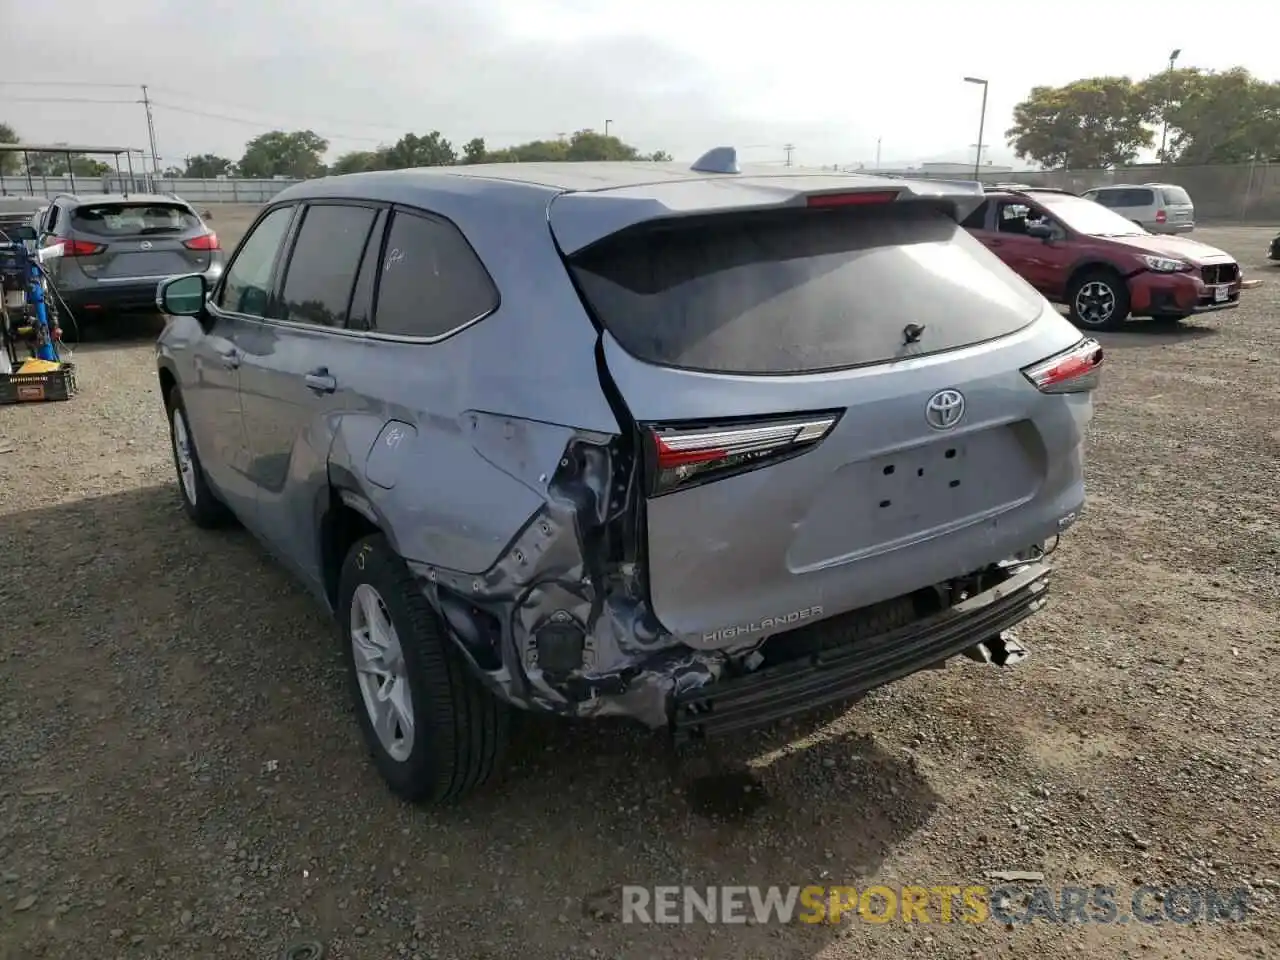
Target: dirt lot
pixel 180 774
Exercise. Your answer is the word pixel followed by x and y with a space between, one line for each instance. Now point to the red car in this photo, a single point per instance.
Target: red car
pixel 1103 267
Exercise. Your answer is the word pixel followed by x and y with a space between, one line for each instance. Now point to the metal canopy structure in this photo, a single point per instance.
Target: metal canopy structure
pixel 69 151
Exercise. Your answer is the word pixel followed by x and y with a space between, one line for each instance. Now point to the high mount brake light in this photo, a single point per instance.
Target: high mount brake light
pixel 1077 369
pixel 682 456
pixel 80 248
pixel 206 241
pixel 852 199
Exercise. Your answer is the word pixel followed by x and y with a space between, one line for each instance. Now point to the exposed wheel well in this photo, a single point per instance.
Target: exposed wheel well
pixel 167 383
pixel 341 527
pixel 1095 266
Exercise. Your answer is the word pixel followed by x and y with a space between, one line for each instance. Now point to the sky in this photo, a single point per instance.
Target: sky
pixel 674 75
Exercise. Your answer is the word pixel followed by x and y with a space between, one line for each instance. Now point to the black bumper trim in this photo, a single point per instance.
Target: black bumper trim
pixel 772 693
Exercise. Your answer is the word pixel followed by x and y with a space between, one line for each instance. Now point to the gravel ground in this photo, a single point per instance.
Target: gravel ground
pixel 180 772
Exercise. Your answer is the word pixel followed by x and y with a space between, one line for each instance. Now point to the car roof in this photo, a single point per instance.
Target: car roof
pixel 96 198
pixel 1131 186
pixel 565 176
pixel 595 199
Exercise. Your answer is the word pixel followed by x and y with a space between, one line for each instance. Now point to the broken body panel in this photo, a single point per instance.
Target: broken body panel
pixel 524 495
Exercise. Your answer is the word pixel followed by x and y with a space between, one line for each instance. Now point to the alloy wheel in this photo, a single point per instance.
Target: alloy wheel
pixel 381 672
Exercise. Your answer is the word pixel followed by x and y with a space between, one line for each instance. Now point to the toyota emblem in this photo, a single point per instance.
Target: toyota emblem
pixel 945 409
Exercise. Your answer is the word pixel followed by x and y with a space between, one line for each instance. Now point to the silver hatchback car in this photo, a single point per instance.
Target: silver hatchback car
pixel 702 447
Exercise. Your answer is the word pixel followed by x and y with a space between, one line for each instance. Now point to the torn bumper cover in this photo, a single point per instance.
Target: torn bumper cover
pixel 706 692
pixel 837 675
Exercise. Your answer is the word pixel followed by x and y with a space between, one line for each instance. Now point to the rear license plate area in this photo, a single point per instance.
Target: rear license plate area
pixel 900 481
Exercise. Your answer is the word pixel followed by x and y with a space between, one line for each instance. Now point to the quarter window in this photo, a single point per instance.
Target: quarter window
pixel 432 282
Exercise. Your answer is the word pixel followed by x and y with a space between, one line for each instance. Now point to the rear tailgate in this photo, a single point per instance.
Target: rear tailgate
pixel 808 359
pixel 140 241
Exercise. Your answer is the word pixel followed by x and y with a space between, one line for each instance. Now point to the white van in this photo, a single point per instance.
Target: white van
pixel 1157 207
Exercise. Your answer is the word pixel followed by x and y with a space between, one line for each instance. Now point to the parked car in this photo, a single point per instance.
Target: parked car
pixel 15 218
pixel 115 248
pixel 1103 267
pixel 692 446
pixel 1156 207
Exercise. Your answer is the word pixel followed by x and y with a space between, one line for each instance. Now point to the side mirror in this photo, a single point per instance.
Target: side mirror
pixel 182 296
pixel 1041 231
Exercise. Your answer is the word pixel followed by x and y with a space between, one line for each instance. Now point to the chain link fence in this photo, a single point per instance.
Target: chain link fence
pixel 1234 192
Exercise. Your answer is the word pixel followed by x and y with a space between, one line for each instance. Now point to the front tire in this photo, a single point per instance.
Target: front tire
pixel 199 502
pixel 1098 300
pixel 435 733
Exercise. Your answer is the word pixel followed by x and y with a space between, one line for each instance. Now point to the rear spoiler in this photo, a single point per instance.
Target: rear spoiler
pixel 580 219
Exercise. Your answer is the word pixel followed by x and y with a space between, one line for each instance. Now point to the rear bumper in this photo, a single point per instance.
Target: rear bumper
pixel 132 297
pixel 1171 228
pixel 772 693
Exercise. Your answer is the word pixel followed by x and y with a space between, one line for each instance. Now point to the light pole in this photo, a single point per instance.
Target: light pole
pixel 982 122
pixel 606 127
pixel 1164 134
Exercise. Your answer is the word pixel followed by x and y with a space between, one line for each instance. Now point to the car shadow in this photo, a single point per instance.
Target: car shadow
pixel 1147 332
pixel 187 659
pixel 92 328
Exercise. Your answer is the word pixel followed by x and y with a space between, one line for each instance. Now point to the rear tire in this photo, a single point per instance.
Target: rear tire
pixel 201 504
pixel 453 735
pixel 1098 300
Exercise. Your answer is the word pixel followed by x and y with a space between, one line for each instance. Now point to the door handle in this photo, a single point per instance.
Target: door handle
pixel 995 243
pixel 321 381
pixel 230 359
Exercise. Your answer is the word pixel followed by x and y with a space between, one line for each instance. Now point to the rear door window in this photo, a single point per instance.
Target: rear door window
pixel 432 282
pixel 801 291
pixel 322 267
pixel 361 315
pixel 133 219
pixel 1134 197
pixel 1175 196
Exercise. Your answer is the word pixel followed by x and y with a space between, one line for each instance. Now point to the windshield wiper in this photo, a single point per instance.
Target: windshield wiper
pixel 145 231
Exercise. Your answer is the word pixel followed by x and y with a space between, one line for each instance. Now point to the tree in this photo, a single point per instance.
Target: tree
pixel 473 151
pixel 207 166
pixel 55 165
pixel 1098 122
pixel 9 162
pixel 432 150
pixel 1228 117
pixel 358 161
pixel 297 154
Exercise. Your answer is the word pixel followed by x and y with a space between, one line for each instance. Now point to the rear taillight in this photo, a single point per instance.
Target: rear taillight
pixel 852 199
pixel 680 456
pixel 1161 216
pixel 206 241
pixel 80 248
pixel 1076 370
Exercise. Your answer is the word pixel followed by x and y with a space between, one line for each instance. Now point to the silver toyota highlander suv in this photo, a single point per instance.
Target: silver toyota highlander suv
pixel 699 446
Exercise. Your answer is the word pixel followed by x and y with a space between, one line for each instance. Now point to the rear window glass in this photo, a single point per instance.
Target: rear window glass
pixel 1175 195
pixel 131 219
pixel 802 291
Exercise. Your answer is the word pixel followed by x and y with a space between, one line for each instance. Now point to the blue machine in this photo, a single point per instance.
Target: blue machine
pixel 23 288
